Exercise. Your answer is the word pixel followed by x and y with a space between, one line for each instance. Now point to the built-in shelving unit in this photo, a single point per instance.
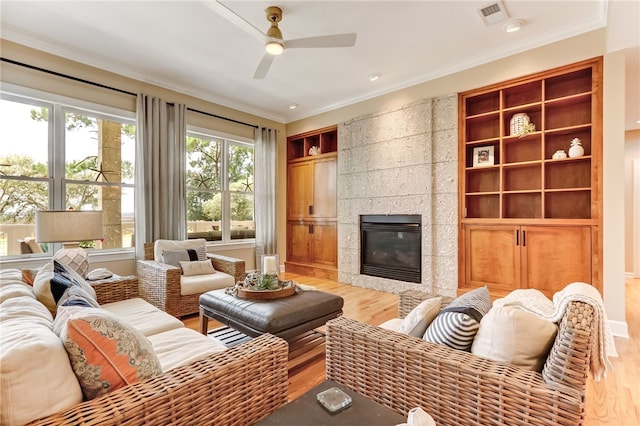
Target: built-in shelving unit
pixel 514 179
pixel 312 203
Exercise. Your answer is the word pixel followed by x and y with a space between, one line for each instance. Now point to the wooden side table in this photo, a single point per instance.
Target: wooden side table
pixel 115 288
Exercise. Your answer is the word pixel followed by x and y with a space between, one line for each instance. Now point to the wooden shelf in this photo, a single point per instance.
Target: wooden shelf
pixel 325 140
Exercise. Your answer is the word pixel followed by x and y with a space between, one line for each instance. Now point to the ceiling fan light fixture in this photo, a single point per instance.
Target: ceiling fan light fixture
pixel 513 26
pixel 274 48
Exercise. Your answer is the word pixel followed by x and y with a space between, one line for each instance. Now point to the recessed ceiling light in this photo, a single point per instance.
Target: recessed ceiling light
pixel 637 121
pixel 293 106
pixel 375 76
pixel 513 26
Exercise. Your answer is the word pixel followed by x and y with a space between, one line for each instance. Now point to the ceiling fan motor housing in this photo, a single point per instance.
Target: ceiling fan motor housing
pixel 274 15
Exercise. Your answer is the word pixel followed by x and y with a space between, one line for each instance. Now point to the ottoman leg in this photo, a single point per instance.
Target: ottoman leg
pixel 204 322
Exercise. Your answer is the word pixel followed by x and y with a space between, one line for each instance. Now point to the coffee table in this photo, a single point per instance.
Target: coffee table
pixel 306 411
pixel 287 317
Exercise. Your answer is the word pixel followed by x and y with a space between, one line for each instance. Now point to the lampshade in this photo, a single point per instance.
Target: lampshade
pixel 60 226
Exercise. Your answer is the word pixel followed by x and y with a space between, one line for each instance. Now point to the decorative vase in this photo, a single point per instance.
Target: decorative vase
pixel 519 123
pixel 576 149
pixel 559 154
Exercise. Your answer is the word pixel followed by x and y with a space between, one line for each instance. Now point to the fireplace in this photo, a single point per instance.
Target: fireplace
pixel 391 247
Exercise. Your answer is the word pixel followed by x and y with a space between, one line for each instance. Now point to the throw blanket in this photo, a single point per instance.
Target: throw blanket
pixel 537 303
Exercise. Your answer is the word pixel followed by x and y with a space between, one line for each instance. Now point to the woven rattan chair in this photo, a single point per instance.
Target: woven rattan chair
pixel 160 283
pixel 459 388
pixel 238 386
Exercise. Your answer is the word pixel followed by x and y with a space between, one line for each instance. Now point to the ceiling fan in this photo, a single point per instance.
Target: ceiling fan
pixel 275 44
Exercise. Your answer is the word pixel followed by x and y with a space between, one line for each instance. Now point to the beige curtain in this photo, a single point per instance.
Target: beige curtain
pixel 160 195
pixel 266 155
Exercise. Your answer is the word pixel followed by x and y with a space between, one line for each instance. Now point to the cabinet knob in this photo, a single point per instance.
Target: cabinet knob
pixel 310 209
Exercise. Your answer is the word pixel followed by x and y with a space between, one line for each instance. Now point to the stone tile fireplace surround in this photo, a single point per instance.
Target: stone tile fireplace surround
pixel 402 161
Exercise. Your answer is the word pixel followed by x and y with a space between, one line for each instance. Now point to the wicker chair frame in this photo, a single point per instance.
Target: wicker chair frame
pixel 159 283
pixel 459 388
pixel 236 387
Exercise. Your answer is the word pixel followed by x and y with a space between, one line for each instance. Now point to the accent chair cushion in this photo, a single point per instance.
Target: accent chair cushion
pixel 198 284
pixel 456 325
pixel 33 246
pixel 174 257
pixel 198 267
pixel 198 244
pixel 106 353
pixel 513 335
pixel 416 323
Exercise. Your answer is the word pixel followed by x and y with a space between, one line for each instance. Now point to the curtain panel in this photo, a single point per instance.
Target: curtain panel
pixel 160 172
pixel 266 157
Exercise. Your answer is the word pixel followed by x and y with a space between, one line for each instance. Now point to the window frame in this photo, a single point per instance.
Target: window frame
pixel 228 139
pixel 57 181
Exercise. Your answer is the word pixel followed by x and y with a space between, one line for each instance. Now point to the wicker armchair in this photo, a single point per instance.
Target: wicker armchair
pixel 459 388
pixel 238 386
pixel 160 283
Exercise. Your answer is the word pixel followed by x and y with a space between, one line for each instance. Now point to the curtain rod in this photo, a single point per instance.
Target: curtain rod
pixel 115 89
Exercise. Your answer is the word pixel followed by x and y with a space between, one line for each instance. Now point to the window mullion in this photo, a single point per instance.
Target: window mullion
pixel 226 200
pixel 57 159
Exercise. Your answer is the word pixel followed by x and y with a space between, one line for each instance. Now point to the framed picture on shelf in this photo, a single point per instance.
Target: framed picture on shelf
pixel 483 156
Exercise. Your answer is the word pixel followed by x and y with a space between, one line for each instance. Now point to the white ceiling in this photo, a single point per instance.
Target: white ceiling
pixel 189 47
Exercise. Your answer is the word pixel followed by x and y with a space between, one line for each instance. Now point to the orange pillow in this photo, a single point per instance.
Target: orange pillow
pixel 106 353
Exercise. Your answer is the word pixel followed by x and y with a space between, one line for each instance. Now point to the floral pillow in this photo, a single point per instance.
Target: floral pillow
pixel 105 353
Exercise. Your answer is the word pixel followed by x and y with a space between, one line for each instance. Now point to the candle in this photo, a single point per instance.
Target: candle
pixel 270 265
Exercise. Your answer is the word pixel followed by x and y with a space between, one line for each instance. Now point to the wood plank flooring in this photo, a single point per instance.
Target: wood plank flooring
pixel 613 401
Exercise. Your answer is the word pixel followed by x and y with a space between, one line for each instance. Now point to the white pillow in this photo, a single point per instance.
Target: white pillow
pixel 197 267
pixel 199 244
pixel 511 334
pixel 416 323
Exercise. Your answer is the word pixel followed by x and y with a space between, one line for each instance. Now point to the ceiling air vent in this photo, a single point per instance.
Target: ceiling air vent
pixel 493 13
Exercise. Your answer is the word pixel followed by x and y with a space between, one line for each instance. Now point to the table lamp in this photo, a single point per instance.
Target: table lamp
pixel 70 227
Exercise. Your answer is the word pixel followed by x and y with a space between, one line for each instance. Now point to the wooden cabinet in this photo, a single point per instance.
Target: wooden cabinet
pixel 509 257
pixel 513 186
pixel 312 203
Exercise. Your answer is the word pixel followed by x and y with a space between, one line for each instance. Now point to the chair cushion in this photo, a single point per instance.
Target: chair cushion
pixel 393 324
pixel 33 246
pixel 198 284
pixel 416 323
pixel 199 244
pixel 174 257
pixel 181 346
pixel 198 267
pixel 106 353
pixel 143 316
pixel 456 325
pixel 511 334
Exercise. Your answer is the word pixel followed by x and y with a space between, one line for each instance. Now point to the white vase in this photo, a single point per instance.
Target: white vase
pixel 576 150
pixel 519 123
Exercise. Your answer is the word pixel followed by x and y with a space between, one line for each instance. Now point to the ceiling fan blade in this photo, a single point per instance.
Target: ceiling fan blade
pixel 336 40
pixel 235 19
pixel 263 67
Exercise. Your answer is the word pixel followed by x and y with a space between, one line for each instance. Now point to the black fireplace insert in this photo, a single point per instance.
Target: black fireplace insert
pixel 390 247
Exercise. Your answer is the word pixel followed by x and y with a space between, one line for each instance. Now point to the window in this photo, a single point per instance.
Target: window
pixel 54 156
pixel 219 188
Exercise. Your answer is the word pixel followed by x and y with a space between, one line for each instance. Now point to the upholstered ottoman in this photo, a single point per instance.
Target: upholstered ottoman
pixel 286 317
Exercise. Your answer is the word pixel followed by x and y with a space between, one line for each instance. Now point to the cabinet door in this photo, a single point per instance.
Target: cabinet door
pixel 492 257
pixel 299 242
pixel 325 245
pixel 299 190
pixel 324 188
pixel 554 256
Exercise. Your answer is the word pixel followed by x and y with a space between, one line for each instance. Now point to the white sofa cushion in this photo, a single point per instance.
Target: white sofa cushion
pixel 511 334
pixel 36 378
pixel 416 323
pixel 393 324
pixel 143 316
pixel 181 346
pixel 198 284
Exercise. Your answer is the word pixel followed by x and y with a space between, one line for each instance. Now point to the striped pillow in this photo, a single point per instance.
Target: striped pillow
pixel 457 324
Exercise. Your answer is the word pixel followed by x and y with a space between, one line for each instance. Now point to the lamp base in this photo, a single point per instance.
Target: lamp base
pixel 76 258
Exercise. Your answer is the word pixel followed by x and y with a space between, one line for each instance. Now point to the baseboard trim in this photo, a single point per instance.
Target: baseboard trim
pixel 619 329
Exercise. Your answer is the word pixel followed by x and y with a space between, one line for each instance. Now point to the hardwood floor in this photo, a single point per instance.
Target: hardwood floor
pixel 613 401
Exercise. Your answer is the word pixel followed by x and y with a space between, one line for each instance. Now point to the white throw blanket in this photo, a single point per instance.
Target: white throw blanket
pixel 537 303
